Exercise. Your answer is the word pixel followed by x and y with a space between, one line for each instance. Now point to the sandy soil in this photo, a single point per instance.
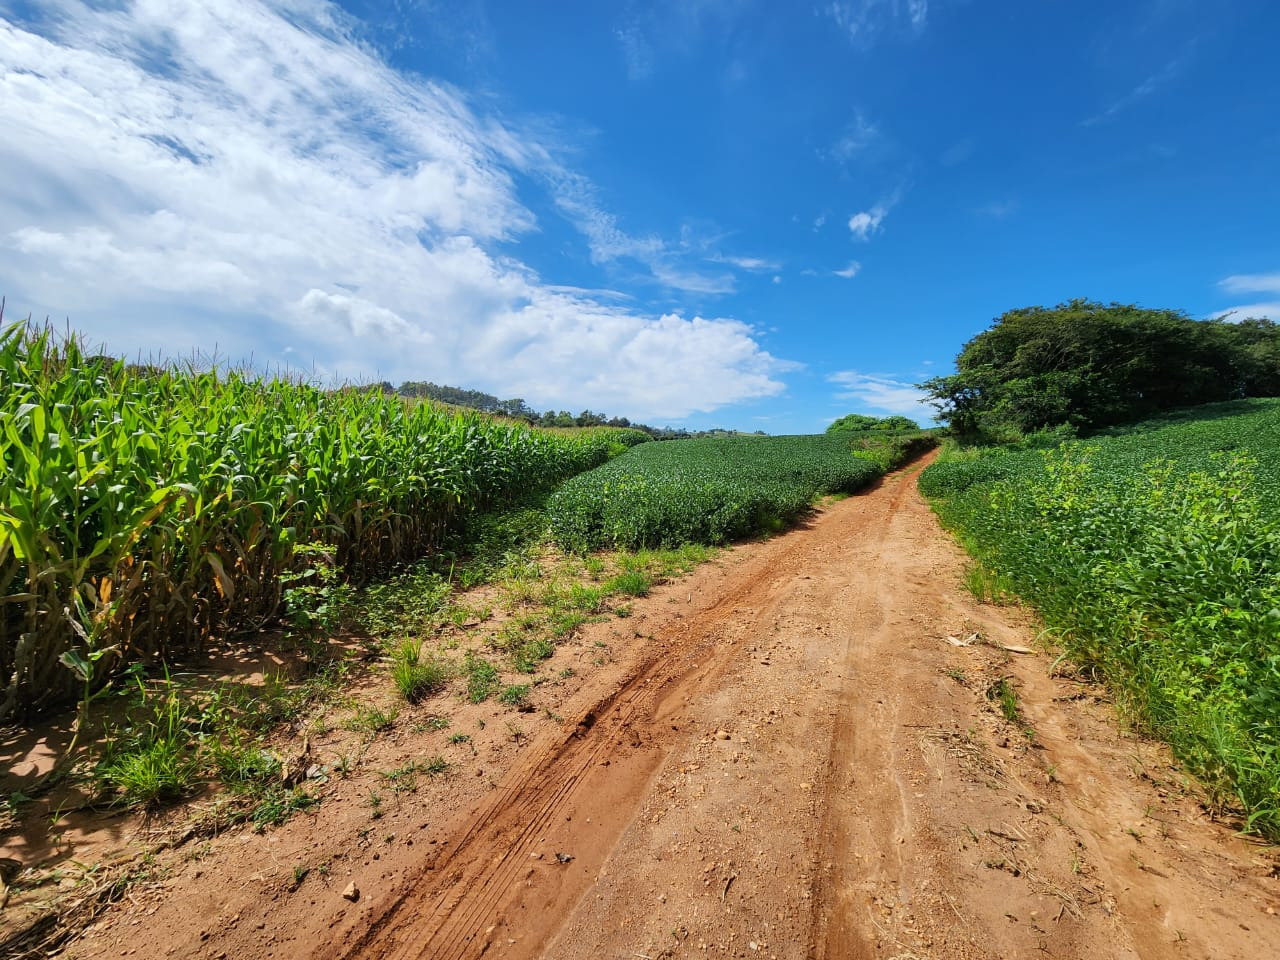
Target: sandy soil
pixel 789 753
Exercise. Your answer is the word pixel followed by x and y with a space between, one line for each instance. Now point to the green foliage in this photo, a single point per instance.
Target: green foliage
pixel 371 720
pixel 151 759
pixel 278 804
pixel 416 677
pixel 709 490
pixel 482 678
pixel 888 451
pixel 243 766
pixel 171 506
pixel 631 583
pixel 1155 555
pixel 1092 365
pixel 516 695
pixel 1005 697
pixel 860 423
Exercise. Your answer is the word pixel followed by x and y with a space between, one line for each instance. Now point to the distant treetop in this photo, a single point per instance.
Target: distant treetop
pixel 859 423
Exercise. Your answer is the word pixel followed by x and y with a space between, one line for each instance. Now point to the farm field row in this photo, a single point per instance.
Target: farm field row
pixel 716 490
pixel 1153 555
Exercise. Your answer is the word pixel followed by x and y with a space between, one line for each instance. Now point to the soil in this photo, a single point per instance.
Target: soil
pixel 796 751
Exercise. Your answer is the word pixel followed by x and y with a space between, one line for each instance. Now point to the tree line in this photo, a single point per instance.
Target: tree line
pixel 1087 365
pixel 517 409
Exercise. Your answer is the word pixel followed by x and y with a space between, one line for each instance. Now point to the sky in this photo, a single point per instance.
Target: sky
pixel 736 213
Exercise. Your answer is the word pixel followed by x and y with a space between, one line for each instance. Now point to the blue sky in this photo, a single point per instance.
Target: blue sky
pixel 704 213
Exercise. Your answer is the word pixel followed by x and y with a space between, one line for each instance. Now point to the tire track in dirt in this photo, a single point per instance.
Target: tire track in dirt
pixel 470 890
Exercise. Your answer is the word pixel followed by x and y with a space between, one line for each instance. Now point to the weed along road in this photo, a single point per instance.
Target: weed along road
pixel 801 752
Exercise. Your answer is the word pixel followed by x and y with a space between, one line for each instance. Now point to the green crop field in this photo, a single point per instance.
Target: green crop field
pixel 706 491
pixel 147 512
pixel 1153 553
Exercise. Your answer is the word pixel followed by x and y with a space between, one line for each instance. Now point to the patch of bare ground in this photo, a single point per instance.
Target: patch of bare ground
pixel 781 755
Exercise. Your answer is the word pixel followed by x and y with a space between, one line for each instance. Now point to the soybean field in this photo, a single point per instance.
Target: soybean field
pixel 1153 553
pixel 710 490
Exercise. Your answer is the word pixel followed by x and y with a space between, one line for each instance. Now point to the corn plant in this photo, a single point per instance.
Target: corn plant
pixel 168 504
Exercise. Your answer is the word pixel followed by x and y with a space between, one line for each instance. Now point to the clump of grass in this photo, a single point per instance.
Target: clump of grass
pixel 276 806
pixel 986 585
pixel 631 583
pixel 526 657
pixel 153 760
pixel 516 695
pixel 415 677
pixel 1004 696
pixel 482 678
pixel 585 598
pixel 371 720
pixel 242 766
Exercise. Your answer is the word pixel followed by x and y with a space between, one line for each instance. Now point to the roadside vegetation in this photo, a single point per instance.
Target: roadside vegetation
pixel 1151 550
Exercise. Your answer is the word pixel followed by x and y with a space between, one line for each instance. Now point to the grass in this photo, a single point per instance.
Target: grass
pixel 515 695
pixel 415 677
pixel 631 583
pixel 152 759
pixel 482 676
pixel 370 720
pixel 277 805
pixel 1005 697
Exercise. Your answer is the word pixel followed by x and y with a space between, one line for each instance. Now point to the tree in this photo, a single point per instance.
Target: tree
pixel 1092 365
pixel 859 423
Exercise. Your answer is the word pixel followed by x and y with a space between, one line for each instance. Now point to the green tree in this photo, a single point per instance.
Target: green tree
pixel 1092 365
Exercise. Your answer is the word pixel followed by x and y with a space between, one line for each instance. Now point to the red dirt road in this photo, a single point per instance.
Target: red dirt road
pixel 787 759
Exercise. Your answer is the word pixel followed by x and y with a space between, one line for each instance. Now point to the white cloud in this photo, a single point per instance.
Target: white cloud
pixel 576 197
pixel 754 264
pixel 881 393
pixel 1252 283
pixel 777 278
pixel 1246 311
pixel 636 52
pixel 997 209
pixel 857 138
pixel 863 225
pixel 863 20
pixel 850 271
pixel 1142 91
pixel 1265 284
pixel 247 174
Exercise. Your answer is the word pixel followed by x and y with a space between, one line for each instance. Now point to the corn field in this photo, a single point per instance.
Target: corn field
pixel 149 512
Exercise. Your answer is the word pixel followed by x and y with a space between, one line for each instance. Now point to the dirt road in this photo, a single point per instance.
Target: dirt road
pixel 796 754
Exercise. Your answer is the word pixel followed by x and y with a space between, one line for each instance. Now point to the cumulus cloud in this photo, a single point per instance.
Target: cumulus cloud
pixel 850 271
pixel 249 174
pixel 882 393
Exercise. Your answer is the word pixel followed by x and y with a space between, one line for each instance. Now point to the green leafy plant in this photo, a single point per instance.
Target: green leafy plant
pixel 415 676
